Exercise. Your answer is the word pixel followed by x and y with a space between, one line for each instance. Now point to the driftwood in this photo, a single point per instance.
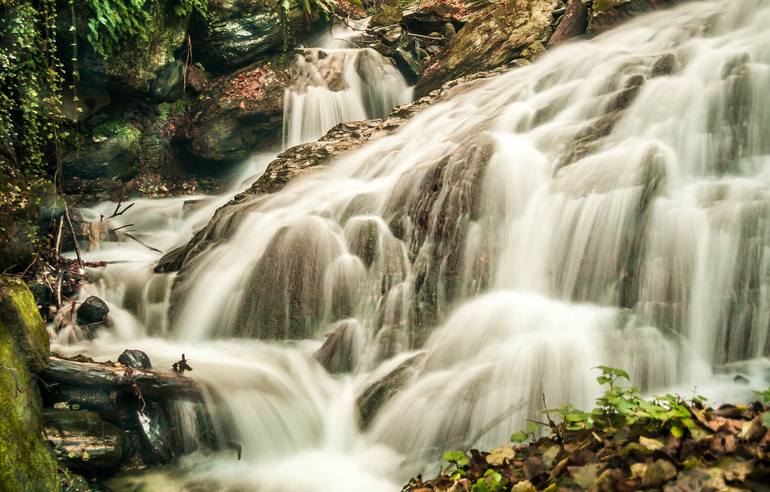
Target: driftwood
pixel 152 384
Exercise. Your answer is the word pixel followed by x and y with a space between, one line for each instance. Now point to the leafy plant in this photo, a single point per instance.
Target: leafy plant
pixel 113 23
pixel 492 481
pixel 622 406
pixel 459 461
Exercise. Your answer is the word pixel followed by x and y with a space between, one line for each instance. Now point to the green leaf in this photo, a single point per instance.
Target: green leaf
pixel 519 436
pixel 457 457
pixel 677 431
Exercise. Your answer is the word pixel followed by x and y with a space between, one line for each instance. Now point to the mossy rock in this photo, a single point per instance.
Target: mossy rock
pixel 26 462
pixel 137 64
pixel 20 318
pixel 111 153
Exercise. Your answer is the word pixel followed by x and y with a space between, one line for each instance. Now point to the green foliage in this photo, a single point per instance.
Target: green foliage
pixel 620 406
pixel 519 436
pixel 113 23
pixel 492 481
pixel 30 82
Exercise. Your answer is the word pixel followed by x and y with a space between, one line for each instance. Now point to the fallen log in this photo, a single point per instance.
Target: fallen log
pixel 152 384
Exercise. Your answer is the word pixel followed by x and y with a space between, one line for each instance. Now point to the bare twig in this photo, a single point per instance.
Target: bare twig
pixel 58 236
pixel 74 236
pixel 131 236
pixel 118 211
pixel 121 227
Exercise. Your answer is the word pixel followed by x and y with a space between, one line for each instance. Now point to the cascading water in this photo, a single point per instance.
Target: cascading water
pixel 333 85
pixel 608 204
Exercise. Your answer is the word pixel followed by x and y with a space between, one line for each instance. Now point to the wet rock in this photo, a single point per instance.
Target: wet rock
pixel 492 37
pixel 311 156
pixel 379 391
pixel 573 23
pixel 92 311
pixel 408 66
pixel 235 115
pixel 169 83
pixel 84 442
pixel 26 462
pixel 135 358
pixel 338 353
pixel 606 14
pixel 237 33
pixel 156 432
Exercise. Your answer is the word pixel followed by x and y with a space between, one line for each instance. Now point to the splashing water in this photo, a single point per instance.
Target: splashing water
pixel 608 204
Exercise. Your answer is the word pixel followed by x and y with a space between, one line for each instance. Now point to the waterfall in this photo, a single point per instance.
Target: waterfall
pixel 336 85
pixel 608 204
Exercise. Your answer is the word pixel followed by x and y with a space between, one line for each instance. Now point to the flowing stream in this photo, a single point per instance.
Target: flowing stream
pixel 608 204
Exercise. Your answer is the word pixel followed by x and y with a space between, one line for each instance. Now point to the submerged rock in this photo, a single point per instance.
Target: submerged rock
pixel 156 432
pixel 26 462
pixel 338 353
pixel 92 311
pixel 378 392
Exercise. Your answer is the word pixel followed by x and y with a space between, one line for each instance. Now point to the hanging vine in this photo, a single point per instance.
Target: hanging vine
pixel 31 76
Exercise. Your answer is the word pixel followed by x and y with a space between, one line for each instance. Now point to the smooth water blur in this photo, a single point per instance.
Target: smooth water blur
pixel 333 85
pixel 608 204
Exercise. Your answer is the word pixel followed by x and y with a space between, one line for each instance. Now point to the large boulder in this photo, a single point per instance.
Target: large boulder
pixel 235 115
pixel 19 317
pixel 493 37
pixel 26 462
pixel 238 32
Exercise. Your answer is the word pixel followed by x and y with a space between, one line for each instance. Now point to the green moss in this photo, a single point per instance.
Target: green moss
pixel 169 109
pixel 120 129
pixel 26 462
pixel 21 319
